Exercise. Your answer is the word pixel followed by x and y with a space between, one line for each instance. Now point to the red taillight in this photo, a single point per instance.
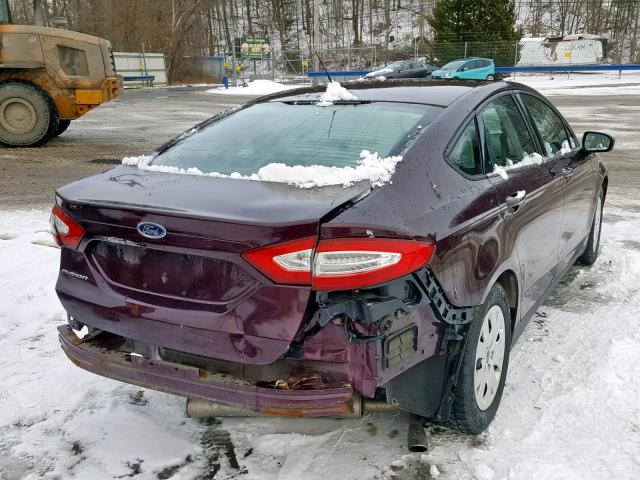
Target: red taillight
pixel 286 262
pixel 342 263
pixel 65 230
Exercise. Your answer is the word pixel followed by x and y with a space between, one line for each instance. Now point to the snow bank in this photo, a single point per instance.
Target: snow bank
pixel 334 93
pixel 370 167
pixel 257 87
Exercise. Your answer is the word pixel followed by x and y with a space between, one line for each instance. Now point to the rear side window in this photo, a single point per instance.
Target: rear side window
pixel 276 132
pixel 73 61
pixel 549 125
pixel 465 155
pixel 507 138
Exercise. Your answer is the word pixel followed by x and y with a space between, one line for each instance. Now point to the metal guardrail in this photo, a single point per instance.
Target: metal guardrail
pixel 349 73
pixel 568 68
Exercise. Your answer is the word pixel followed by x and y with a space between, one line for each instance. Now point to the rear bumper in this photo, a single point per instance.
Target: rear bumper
pixel 101 357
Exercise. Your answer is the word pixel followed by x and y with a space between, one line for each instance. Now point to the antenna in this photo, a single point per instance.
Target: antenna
pixel 323 67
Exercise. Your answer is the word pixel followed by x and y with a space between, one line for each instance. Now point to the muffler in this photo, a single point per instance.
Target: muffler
pixel 416 436
pixel 197 408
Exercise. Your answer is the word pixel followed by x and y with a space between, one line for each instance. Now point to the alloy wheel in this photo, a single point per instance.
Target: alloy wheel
pixel 489 357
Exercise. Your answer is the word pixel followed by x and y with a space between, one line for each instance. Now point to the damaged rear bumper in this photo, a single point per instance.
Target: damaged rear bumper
pixel 105 357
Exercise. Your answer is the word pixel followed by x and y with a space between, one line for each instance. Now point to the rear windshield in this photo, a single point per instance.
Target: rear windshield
pixel 277 132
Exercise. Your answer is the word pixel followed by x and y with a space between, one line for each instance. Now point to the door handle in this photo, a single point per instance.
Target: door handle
pixel 515 201
pixel 566 172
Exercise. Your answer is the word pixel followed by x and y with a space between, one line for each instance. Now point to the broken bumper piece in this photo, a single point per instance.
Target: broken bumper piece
pixel 106 357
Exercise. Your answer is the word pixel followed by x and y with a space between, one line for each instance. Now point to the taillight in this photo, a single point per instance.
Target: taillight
pixel 65 230
pixel 340 264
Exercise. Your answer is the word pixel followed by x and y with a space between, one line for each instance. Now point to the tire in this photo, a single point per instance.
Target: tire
pixel 592 249
pixel 480 382
pixel 28 117
pixel 491 77
pixel 62 127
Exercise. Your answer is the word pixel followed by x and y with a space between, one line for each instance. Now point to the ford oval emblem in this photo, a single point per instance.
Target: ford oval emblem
pixel 151 230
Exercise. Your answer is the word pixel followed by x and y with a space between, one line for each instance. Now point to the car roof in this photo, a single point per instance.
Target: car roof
pixel 429 92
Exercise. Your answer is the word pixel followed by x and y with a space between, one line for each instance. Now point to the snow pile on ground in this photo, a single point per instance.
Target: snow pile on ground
pixel 257 87
pixel 335 92
pixel 370 167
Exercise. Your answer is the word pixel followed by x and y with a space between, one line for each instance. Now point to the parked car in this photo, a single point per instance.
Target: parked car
pixel 409 69
pixel 467 69
pixel 292 301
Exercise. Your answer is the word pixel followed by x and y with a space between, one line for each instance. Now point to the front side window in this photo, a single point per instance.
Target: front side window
pixel 305 135
pixel 549 125
pixel 507 138
pixel 465 155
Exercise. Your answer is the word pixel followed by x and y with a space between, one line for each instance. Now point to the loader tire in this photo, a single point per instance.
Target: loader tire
pixel 28 117
pixel 62 127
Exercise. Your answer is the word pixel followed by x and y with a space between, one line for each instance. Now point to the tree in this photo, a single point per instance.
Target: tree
pixel 483 29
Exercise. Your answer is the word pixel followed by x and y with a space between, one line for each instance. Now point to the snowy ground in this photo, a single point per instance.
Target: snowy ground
pixel 571 407
pixel 606 83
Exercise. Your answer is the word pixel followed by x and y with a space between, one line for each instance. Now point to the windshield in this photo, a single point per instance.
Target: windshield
pixel 452 65
pixel 277 132
pixel 393 66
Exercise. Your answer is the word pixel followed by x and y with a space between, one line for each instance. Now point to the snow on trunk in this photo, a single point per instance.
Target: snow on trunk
pixel 377 170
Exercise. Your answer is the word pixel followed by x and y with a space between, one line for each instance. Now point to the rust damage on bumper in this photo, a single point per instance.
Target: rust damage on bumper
pixel 102 355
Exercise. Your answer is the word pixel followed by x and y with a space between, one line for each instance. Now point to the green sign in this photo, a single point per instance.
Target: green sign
pixel 256 48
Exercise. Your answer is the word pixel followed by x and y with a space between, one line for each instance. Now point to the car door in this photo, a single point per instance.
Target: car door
pixel 466 71
pixel 404 71
pixel 531 198
pixel 577 169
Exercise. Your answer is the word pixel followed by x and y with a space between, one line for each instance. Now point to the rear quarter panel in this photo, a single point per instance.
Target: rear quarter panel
pixel 428 199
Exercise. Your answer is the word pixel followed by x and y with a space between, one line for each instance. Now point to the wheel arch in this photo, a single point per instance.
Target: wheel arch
pixel 509 281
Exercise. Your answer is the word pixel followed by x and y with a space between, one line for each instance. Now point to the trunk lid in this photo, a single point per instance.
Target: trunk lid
pixel 194 277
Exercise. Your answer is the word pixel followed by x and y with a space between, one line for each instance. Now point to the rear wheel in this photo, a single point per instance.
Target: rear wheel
pixel 491 77
pixel 27 115
pixel 593 243
pixel 484 365
pixel 62 127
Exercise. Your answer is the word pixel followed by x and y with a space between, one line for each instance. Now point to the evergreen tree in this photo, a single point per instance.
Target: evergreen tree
pixel 487 27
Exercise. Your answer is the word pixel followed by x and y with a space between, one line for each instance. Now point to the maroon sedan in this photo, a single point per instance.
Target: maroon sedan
pixel 210 271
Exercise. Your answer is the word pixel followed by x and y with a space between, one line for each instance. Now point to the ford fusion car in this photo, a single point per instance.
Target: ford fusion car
pixel 200 276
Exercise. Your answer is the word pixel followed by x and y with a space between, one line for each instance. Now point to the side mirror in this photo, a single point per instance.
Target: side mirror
pixel 597 142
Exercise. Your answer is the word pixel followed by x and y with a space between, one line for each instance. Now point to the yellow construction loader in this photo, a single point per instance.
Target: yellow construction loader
pixel 48 77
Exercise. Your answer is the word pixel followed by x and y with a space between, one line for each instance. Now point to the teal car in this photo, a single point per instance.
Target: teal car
pixel 467 68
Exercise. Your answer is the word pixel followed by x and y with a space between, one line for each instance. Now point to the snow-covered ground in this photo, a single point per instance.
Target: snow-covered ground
pixel 606 83
pixel 571 407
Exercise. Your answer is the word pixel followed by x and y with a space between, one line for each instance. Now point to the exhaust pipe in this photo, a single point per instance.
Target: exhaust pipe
pixel 197 408
pixel 416 437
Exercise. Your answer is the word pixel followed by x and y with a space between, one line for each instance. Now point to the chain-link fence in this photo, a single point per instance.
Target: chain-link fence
pixel 294 65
